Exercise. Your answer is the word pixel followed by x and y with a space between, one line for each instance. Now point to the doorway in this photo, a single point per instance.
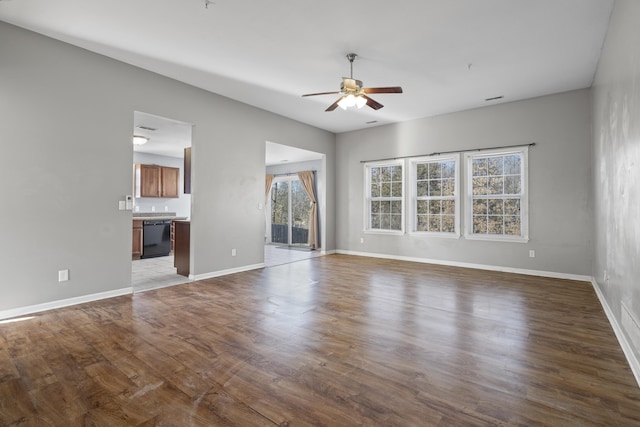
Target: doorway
pixel 288 206
pixel 165 141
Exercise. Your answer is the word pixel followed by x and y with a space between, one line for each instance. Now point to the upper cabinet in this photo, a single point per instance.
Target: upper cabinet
pixel 157 181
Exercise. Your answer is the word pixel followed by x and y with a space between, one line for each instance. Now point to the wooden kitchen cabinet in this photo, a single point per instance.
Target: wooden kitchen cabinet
pixel 182 247
pixel 137 239
pixel 170 182
pixel 157 181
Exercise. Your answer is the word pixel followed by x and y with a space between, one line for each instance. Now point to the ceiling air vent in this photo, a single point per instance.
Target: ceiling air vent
pixel 495 98
pixel 147 128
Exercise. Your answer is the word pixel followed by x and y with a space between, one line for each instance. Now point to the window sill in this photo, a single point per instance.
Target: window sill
pixel 493 238
pixel 421 234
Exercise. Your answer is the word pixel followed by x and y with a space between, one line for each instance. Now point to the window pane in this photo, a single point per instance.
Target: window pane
pixel 479 207
pixel 512 225
pixel 422 207
pixel 385 174
pixel 494 225
pixel 396 222
pixel 375 174
pixel 434 170
pixel 480 224
pixel 422 171
pixel 496 185
pixel 479 167
pixel 495 165
pixel 375 189
pixel 448 169
pixel 396 189
pixel 495 206
pixel 422 187
pixel 512 164
pixel 385 222
pixel 434 223
pixel 385 207
pixel 375 221
pixel 480 186
pixel 448 224
pixel 396 173
pixel 434 207
pixel 396 207
pixel 422 224
pixel 448 187
pixel 512 206
pixel 434 188
pixel 448 207
pixel 386 189
pixel 512 184
pixel 375 207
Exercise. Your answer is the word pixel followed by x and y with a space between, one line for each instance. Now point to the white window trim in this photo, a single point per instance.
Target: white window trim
pixel 413 201
pixel 367 188
pixel 524 204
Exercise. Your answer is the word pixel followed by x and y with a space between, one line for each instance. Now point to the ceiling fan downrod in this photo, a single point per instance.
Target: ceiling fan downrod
pixel 351 57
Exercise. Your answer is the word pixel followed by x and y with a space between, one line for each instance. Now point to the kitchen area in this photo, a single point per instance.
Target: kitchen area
pixel 162 202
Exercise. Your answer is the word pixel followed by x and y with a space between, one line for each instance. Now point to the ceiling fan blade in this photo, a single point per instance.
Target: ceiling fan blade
pixel 373 103
pixel 334 105
pixel 321 93
pixel 391 89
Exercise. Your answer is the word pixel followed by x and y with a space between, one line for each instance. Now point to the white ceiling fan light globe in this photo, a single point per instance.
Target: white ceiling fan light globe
pixel 361 101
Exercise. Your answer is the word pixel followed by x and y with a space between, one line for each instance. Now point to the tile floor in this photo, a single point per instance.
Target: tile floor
pixel 154 273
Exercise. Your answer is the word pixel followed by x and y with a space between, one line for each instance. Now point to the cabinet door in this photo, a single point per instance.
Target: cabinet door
pixel 170 182
pixel 136 251
pixel 148 181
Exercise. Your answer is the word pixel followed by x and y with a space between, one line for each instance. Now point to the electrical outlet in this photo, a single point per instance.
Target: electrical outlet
pixel 63 275
pixel 121 205
pixel 233 252
pixel 362 240
pixel 532 253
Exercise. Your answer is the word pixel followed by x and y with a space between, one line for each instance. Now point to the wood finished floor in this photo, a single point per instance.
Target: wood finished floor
pixel 332 341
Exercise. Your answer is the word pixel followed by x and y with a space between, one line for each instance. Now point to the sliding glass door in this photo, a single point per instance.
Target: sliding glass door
pixel 290 209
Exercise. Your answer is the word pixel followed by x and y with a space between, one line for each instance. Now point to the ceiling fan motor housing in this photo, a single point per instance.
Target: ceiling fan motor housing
pixel 350 85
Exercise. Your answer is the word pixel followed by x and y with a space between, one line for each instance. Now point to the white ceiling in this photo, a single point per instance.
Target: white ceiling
pixel 448 55
pixel 168 137
pixel 277 153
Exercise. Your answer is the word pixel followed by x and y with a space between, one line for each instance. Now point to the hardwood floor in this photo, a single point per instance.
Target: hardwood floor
pixel 332 341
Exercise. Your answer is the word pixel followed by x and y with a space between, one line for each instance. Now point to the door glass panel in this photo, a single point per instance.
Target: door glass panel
pixel 300 208
pixel 280 212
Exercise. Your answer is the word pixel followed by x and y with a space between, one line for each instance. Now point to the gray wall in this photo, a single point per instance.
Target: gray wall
pixel 182 205
pixel 559 182
pixel 616 165
pixel 67 118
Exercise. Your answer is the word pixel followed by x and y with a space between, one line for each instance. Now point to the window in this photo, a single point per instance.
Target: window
pixel 435 200
pixel 384 204
pixel 497 195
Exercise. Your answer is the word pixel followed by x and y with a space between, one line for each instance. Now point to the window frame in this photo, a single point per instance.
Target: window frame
pixel 414 198
pixel 368 199
pixel 524 195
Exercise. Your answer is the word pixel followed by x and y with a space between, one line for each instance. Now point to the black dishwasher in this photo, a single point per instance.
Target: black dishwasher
pixel 156 238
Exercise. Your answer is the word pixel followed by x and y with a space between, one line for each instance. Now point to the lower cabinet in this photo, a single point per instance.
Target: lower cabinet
pixel 182 231
pixel 137 239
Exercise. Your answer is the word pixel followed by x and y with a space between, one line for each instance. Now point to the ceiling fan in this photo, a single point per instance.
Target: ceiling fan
pixel 353 94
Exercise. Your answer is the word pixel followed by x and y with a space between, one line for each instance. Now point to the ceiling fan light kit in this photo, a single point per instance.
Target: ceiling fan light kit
pixel 353 94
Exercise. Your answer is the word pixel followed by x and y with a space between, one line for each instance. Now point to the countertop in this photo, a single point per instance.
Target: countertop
pixel 145 216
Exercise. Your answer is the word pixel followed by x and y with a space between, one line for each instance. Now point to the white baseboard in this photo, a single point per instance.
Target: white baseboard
pixel 225 272
pixel 22 311
pixel 539 273
pixel 634 363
